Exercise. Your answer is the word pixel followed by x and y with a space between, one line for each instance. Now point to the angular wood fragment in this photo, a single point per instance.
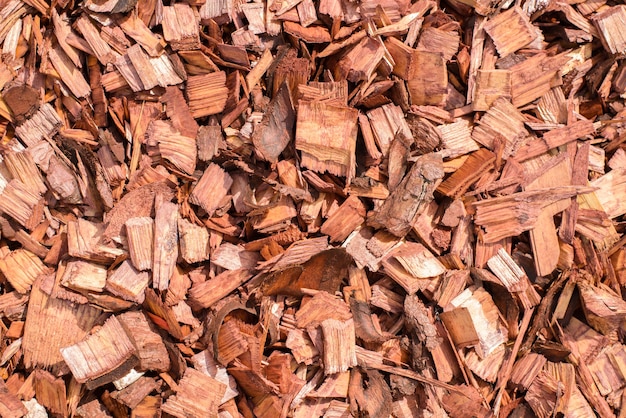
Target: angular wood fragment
pixel 20 202
pixel 490 86
pixel 409 264
pixel 165 244
pixel 100 48
pixel 140 235
pixel 428 85
pixel 10 405
pixel 555 138
pixel 136 392
pixel 207 94
pixel 609 192
pixel 92 409
pixel 410 197
pixel 275 131
pixel 513 278
pixel 510 30
pixel 207 293
pixel 174 147
pixel 103 356
pixel 211 189
pixel 345 219
pixel 68 72
pixel 21 268
pixel 339 342
pixel 607 23
pixel 151 350
pixel 197 395
pixel 128 282
pixel 326 136
pixel 501 122
pixel 179 28
pixel 194 241
pixel 44 123
pixel 84 276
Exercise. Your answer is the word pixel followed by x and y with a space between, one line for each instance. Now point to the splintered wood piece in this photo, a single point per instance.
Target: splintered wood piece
pixel 22 167
pixel 544 239
pixel 197 395
pixel 275 131
pixel 290 70
pixel 456 139
pixel 207 293
pixel 526 370
pixel 510 30
pixel 326 136
pixel 99 47
pixel 127 282
pixel 513 278
pixel 508 216
pixel 604 310
pixel 92 409
pixel 428 84
pixel 136 392
pixel 411 197
pixel 20 202
pixel 484 316
pixel 194 241
pixel 180 27
pixel 339 345
pixel 373 398
pixel 490 86
pixel 462 179
pixel 50 392
pixel 68 72
pixel 387 123
pixel 486 368
pixel 143 72
pixel 174 147
pixel 312 34
pixel 135 28
pixel 607 22
pixel 458 323
pixel 554 138
pixel 58 322
pixel 207 94
pixel 165 244
pixel 345 219
pixel 234 257
pixel 10 405
pixel 321 307
pixel 301 346
pixel 437 40
pixel 608 372
pixel 405 58
pixel 84 276
pixel 21 268
pixel 210 141
pixel 84 240
pixel 151 350
pixel 103 356
pixel 502 120
pixel 140 235
pixel 323 271
pixel 275 218
pixel 43 124
pixel 534 77
pixel 211 189
pixel 610 192
pixel 410 264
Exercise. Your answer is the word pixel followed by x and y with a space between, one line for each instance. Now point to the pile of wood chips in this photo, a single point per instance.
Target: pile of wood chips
pixel 302 208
